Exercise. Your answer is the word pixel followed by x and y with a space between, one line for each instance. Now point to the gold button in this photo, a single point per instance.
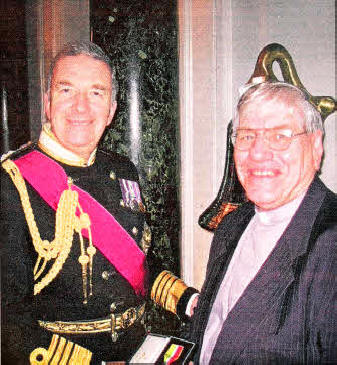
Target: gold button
pixel 113 307
pixel 121 203
pixel 134 231
pixel 112 175
pixel 105 275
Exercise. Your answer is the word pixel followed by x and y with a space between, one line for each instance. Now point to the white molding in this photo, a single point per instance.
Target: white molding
pixel 186 132
pixel 205 109
pixel 224 84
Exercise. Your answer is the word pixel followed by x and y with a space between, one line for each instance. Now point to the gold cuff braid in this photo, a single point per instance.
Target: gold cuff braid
pixel 167 290
pixel 60 352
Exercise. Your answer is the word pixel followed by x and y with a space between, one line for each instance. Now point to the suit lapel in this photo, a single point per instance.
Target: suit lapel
pixel 260 310
pixel 223 246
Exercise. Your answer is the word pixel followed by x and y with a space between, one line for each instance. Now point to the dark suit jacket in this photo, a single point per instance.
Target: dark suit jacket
pixel 288 313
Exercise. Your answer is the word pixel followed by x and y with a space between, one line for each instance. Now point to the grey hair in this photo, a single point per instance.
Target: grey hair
pixel 89 49
pixel 268 91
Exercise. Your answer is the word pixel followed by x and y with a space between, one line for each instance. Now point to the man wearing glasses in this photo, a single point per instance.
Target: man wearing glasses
pixel 271 284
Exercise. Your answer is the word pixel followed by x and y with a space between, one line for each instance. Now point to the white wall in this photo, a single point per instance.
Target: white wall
pixel 219 44
pixel 307 29
pixel 198 130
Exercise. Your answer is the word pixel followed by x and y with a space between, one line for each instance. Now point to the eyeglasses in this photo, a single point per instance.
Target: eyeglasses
pixel 276 139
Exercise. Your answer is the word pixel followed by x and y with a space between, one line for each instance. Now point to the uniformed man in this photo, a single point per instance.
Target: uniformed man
pixel 74 271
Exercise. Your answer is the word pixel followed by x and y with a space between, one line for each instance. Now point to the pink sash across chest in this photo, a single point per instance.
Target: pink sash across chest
pixel 49 179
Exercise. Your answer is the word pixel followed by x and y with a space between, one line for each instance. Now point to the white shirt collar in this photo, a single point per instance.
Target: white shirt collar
pixel 280 214
pixel 49 144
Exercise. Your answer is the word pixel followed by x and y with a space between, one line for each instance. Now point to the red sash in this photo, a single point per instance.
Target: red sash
pixel 49 179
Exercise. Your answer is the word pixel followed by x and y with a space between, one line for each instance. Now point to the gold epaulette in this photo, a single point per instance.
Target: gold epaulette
pixel 8 154
pixel 60 352
pixel 167 290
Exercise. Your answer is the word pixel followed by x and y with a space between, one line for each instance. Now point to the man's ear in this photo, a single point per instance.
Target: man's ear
pixel 46 102
pixel 112 111
pixel 317 148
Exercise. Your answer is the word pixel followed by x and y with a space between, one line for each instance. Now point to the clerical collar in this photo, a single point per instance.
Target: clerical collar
pixel 280 214
pixel 49 144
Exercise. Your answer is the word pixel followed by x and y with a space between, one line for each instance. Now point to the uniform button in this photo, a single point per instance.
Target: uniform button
pixel 135 231
pixel 113 307
pixel 121 203
pixel 106 275
pixel 112 175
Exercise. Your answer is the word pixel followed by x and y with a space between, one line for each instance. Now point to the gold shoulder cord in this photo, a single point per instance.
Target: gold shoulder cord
pixel 66 223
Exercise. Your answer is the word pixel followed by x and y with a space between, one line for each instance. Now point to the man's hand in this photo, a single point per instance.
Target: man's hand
pixel 194 304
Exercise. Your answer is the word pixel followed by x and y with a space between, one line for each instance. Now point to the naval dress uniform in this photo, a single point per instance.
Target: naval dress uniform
pixel 73 288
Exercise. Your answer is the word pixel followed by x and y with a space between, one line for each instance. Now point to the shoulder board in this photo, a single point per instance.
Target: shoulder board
pixel 124 167
pixel 114 155
pixel 16 153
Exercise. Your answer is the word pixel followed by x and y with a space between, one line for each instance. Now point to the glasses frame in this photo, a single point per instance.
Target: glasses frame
pixel 263 130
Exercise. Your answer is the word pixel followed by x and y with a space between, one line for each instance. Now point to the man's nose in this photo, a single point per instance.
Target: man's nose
pixel 81 102
pixel 260 150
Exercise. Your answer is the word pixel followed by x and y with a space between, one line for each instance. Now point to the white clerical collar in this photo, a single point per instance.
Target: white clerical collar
pixel 49 144
pixel 280 214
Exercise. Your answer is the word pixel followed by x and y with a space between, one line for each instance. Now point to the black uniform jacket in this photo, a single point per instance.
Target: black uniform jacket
pixel 62 299
pixel 288 313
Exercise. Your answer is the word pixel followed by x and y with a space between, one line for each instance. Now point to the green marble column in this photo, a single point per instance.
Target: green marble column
pixel 141 38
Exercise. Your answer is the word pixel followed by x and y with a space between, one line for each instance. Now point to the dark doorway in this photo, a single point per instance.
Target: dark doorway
pixel 13 76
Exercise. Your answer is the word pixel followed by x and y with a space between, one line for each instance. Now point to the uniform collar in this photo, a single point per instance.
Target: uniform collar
pixel 49 144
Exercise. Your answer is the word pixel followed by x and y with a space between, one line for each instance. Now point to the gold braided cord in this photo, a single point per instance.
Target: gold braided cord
pixel 66 224
pixel 60 247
